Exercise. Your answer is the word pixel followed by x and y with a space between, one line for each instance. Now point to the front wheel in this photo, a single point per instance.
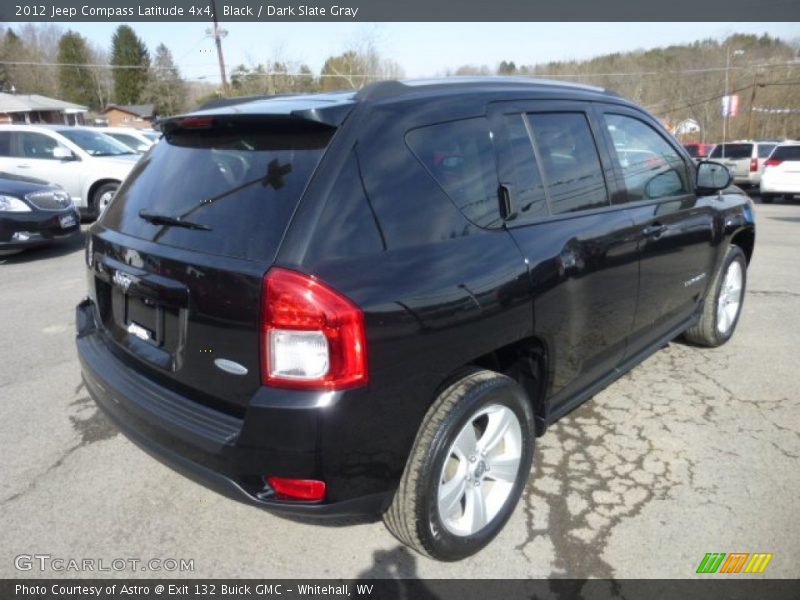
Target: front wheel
pixel 723 304
pixel 766 198
pixel 467 469
pixel 102 197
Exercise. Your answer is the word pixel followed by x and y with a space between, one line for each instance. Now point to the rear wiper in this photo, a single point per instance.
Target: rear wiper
pixel 159 219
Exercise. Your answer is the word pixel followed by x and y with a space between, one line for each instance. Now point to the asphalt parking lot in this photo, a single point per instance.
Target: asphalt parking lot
pixel 694 451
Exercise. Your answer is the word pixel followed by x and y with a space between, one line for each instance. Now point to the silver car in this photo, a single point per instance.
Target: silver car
pixel 88 164
pixel 744 159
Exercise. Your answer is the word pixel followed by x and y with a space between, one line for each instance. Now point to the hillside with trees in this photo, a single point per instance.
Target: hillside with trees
pixel 683 82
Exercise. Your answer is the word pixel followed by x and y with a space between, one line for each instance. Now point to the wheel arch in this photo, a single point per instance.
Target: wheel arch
pixel 526 362
pixel 745 238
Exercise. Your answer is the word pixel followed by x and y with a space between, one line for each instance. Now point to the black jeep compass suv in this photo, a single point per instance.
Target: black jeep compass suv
pixel 372 302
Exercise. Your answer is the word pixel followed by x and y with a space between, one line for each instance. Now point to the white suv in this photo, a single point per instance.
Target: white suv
pixel 88 164
pixel 782 174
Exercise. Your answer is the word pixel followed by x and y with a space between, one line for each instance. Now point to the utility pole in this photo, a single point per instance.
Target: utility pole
pixel 218 33
pixel 727 98
pixel 752 104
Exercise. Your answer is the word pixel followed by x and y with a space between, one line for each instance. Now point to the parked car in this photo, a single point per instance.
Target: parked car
pixel 699 151
pixel 88 164
pixel 782 174
pixel 134 139
pixel 150 134
pixel 372 303
pixel 744 159
pixel 33 213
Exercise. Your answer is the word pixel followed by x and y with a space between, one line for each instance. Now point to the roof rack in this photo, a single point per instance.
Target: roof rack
pixel 388 88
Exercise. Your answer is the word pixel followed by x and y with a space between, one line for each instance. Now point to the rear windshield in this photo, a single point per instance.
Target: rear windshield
pixel 693 150
pixel 732 151
pixel 786 153
pixel 239 184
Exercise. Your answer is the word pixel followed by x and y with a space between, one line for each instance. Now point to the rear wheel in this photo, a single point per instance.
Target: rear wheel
pixel 102 197
pixel 723 305
pixel 467 469
pixel 766 198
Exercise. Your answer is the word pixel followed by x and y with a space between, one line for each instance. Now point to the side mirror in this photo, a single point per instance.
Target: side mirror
pixel 62 153
pixel 142 148
pixel 712 176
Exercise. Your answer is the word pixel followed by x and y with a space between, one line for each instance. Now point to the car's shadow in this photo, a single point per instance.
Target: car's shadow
pixel 54 250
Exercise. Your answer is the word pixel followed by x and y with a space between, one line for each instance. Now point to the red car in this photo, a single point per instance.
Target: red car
pixel 698 151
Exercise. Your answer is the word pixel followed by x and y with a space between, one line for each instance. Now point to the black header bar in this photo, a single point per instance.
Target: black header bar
pixel 398 10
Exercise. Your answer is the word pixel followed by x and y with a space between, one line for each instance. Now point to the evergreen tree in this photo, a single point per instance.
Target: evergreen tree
pixel 11 50
pixel 75 82
pixel 128 51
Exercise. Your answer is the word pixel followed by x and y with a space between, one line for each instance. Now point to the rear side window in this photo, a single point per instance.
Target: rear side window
pixel 764 150
pixel 240 181
pixel 347 227
pixel 735 151
pixel 529 193
pixel 786 153
pixel 650 166
pixel 570 161
pixel 5 143
pixel 460 157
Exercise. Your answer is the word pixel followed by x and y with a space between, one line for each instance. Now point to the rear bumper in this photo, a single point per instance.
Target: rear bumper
pixel 752 178
pixel 210 447
pixel 772 185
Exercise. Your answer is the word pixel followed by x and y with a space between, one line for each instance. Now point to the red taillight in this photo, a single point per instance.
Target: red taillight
pixel 297 489
pixel 772 162
pixel 753 165
pixel 312 337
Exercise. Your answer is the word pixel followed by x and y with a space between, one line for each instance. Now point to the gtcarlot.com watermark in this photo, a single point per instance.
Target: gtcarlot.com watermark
pixel 61 564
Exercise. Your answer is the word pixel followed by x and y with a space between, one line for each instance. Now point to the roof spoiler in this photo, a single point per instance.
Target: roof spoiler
pixel 331 114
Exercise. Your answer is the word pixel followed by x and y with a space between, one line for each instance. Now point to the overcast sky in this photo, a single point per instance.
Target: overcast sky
pixel 422 49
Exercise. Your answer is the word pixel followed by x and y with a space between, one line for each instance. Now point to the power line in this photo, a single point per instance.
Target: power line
pixel 536 74
pixel 693 103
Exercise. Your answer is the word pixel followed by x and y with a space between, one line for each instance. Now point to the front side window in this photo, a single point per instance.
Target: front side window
pixel 569 160
pixel 459 155
pixel 650 166
pixel 36 145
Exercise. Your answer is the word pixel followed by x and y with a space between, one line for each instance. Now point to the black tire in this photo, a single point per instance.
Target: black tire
pixel 766 198
pixel 707 332
pixel 98 195
pixel 413 517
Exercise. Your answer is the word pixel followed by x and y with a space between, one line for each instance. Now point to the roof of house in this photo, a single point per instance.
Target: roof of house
pixel 12 103
pixel 139 110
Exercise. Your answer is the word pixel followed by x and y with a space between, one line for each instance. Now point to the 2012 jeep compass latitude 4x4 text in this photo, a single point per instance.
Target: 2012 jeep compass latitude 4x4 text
pixel 371 303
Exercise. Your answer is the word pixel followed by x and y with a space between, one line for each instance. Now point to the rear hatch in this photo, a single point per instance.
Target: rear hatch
pixel 178 258
pixel 734 156
pixel 784 164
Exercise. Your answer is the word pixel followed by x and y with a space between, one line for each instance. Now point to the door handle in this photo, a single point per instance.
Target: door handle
pixel 23 166
pixel 655 230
